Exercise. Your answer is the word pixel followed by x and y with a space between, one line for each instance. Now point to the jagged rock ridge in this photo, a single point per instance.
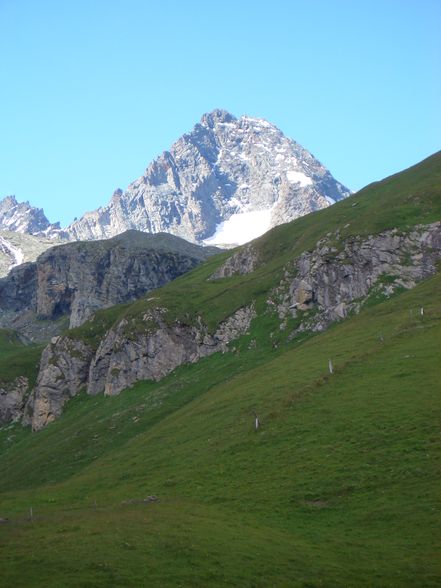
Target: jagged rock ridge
pixel 21 217
pixel 25 233
pixel 227 181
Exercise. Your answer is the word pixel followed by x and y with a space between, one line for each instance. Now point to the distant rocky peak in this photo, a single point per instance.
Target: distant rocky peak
pixel 117 195
pixel 211 119
pixel 225 182
pixel 8 201
pixel 21 217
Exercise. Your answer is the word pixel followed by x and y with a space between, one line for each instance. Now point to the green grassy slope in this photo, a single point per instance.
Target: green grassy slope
pixel 339 487
pixel 17 359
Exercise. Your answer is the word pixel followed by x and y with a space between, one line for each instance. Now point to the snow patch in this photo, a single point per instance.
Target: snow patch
pixel 296 177
pixel 257 121
pixel 330 200
pixel 241 228
pixel 15 252
pixel 237 203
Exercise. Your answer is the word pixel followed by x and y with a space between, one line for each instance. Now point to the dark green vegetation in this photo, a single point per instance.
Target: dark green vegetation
pixel 338 487
pixel 17 359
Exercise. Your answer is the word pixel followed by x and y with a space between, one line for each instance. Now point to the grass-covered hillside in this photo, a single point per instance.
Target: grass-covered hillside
pixel 339 485
pixel 17 359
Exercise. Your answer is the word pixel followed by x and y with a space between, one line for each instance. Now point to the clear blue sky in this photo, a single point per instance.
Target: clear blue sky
pixel 92 91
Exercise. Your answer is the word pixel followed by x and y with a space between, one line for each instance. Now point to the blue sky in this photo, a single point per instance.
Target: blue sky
pixel 92 91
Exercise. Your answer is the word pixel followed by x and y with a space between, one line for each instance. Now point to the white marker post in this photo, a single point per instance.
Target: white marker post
pixel 256 421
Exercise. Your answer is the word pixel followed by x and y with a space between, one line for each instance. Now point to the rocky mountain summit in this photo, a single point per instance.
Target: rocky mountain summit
pixel 226 182
pixel 76 279
pixel 21 217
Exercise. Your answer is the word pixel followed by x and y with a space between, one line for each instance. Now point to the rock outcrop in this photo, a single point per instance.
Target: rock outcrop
pixel 243 261
pixel 337 276
pixel 13 396
pixel 63 373
pixel 69 365
pixel 121 361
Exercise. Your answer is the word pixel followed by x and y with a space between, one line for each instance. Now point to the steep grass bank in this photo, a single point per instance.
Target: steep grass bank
pixel 338 487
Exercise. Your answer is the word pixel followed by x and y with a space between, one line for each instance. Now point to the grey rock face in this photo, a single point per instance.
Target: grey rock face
pixel 120 361
pixel 244 261
pixel 18 290
pixel 225 166
pixel 335 280
pixel 67 365
pixel 63 373
pixel 76 279
pixel 21 217
pixel 12 399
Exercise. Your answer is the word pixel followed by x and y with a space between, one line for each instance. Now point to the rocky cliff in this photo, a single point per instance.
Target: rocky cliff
pixel 63 373
pixel 70 365
pixel 338 276
pixel 13 397
pixel 76 279
pixel 227 181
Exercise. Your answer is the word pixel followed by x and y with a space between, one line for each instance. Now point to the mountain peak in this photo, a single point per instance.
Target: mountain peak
pixel 210 119
pixel 8 201
pixel 117 195
pixel 224 183
pixel 21 217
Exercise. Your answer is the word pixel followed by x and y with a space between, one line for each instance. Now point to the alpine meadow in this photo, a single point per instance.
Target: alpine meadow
pixel 270 415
